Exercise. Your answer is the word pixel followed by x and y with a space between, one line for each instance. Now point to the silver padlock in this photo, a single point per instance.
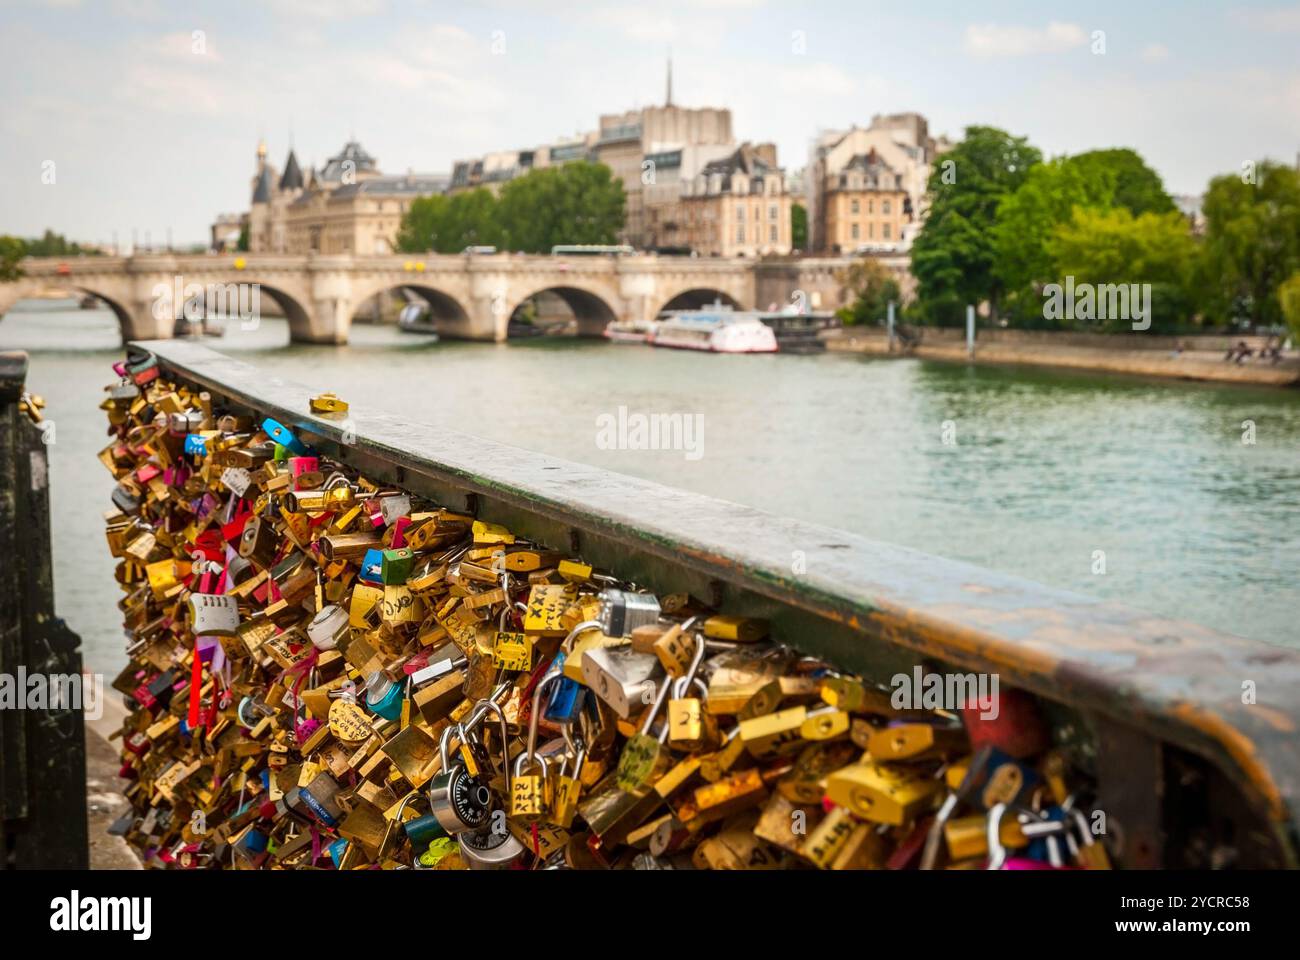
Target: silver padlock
pixel 623 678
pixel 490 849
pixel 622 611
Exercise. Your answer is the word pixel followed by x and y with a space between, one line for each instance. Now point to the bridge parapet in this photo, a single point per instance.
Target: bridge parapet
pixel 1156 706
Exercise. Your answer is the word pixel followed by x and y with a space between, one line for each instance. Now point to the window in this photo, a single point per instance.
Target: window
pixel 886 231
pixel 884 207
pixel 871 231
pixel 855 231
pixel 740 233
pixel 853 207
pixel 773 233
pixel 771 212
pixel 740 214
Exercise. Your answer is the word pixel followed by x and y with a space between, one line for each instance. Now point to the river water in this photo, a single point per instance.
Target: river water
pixel 1043 468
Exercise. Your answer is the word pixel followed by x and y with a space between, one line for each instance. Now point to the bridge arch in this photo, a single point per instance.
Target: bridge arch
pixel 447 311
pixel 694 298
pixel 292 306
pixel 124 321
pixel 591 308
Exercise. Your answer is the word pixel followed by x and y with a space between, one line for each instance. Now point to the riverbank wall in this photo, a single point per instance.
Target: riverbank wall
pixel 1179 358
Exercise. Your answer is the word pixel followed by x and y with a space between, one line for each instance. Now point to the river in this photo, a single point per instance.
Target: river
pixel 1042 469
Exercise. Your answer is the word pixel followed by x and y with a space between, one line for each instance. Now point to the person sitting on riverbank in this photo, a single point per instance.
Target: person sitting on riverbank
pixel 1238 353
pixel 1272 350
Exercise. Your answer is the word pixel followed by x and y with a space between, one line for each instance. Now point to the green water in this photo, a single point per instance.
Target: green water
pixel 1047 467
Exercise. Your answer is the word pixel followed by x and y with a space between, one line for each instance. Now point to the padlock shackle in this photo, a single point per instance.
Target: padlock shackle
pixel 567 644
pixel 548 680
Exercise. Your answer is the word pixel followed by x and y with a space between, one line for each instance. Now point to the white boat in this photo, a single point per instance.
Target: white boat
pixel 415 318
pixel 716 329
pixel 627 332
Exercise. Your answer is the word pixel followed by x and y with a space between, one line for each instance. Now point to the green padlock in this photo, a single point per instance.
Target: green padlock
pixel 396 566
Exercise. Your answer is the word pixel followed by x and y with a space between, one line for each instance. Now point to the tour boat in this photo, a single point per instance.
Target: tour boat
pixel 415 318
pixel 627 332
pixel 716 329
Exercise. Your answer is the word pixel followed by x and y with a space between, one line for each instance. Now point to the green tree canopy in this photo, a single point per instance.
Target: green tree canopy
pixel 953 257
pixel 1132 184
pixel 1252 239
pixel 872 286
pixel 1288 296
pixel 798 226
pixel 1102 247
pixel 12 249
pixel 1049 197
pixel 572 203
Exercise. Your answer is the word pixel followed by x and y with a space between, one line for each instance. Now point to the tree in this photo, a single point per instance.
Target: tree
pixel 1252 239
pixel 798 227
pixel 953 257
pixel 1288 295
pixel 56 245
pixel 1027 218
pixel 1133 185
pixel 12 249
pixel 1052 191
pixel 872 286
pixel 571 203
pixel 1103 247
pixel 242 243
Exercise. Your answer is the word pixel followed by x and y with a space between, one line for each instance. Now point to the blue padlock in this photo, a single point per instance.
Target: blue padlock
pixel 383 696
pixel 567 699
pixel 336 851
pixel 196 446
pixel 284 436
pixel 372 566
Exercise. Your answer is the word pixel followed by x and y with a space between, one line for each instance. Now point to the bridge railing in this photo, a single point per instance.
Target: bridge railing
pixel 1177 717
pixel 42 740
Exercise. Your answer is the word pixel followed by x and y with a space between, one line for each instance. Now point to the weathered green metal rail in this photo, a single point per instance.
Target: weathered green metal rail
pixel 1186 769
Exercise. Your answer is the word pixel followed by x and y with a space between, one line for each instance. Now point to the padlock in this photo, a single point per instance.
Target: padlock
pixel 622 611
pixel 568 788
pixel 998 858
pixel 328 627
pixel 490 849
pixel 460 802
pixel 881 794
pixel 529 792
pixel 644 758
pixel 621 677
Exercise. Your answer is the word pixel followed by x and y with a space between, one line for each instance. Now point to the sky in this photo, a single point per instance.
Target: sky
pixel 146 114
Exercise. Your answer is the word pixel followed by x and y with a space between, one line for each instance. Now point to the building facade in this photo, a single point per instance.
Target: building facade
pixel 865 205
pixel 653 152
pixel 347 206
pixel 738 206
pixel 902 143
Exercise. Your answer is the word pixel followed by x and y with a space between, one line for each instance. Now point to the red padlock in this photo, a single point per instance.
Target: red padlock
pixel 1015 725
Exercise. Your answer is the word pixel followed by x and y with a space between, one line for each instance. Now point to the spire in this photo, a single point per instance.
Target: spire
pixel 669 101
pixel 292 178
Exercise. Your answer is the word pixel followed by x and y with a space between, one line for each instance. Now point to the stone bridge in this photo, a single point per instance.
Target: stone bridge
pixel 470 296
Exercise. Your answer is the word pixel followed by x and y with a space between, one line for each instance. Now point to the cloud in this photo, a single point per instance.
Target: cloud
pixel 993 40
pixel 1155 52
pixel 1270 20
pixel 326 9
pixel 818 79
